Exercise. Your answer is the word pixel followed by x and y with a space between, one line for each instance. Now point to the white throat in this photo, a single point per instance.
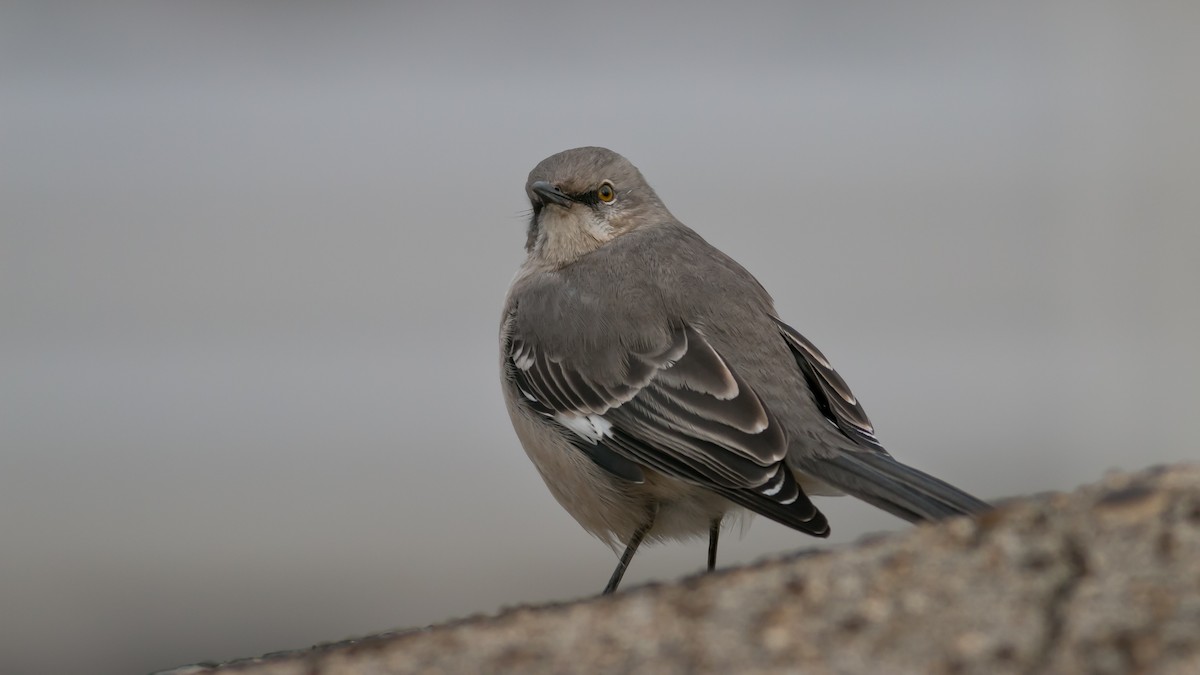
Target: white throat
pixel 566 234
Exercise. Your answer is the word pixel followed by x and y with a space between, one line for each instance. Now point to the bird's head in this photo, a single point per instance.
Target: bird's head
pixel 582 199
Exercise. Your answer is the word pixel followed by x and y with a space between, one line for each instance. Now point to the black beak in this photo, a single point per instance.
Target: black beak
pixel 550 194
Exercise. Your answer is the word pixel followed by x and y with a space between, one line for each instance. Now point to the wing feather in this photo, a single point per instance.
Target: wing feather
pixel 676 407
pixel 832 394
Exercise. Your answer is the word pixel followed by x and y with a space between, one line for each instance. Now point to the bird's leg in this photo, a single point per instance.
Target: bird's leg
pixel 634 542
pixel 714 531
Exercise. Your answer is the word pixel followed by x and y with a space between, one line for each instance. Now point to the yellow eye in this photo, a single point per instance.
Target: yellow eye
pixel 605 193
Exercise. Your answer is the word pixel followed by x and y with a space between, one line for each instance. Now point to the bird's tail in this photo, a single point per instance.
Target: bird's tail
pixel 879 480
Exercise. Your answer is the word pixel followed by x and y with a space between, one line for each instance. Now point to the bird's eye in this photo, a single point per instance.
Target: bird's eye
pixel 605 193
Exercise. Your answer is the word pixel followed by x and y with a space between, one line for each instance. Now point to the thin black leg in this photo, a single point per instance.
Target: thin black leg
pixel 714 531
pixel 634 542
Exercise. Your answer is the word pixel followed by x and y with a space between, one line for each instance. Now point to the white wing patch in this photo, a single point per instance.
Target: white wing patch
pixel 591 428
pixel 771 492
pixel 523 360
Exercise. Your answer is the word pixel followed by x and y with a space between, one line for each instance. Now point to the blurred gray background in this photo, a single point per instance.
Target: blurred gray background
pixel 252 257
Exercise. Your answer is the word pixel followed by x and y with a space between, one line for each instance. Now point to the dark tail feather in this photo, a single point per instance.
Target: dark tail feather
pixel 879 480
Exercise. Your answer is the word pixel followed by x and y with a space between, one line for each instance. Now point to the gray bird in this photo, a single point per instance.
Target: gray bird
pixel 655 388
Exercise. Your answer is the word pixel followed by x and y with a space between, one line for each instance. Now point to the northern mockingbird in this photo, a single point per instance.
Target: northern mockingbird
pixel 655 388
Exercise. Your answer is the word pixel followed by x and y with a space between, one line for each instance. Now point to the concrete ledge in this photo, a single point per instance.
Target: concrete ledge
pixel 1102 580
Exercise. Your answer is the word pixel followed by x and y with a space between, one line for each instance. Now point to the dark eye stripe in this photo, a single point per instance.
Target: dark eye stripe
pixel 589 198
pixel 593 197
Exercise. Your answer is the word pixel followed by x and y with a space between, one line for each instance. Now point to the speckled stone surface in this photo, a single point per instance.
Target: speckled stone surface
pixel 1102 580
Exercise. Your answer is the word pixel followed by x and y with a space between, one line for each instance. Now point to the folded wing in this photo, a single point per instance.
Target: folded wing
pixel 677 408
